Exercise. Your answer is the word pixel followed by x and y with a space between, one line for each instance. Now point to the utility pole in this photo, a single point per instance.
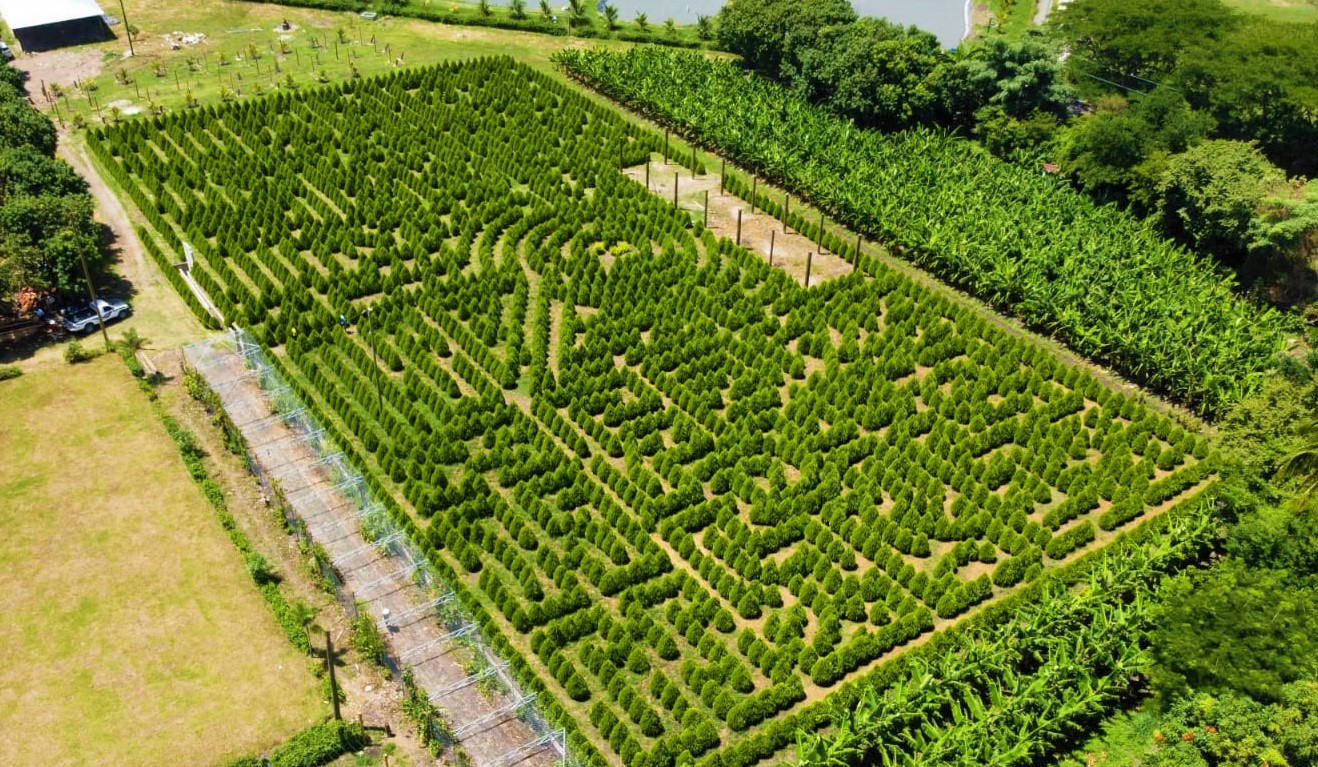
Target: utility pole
pixel 92 292
pixel 127 27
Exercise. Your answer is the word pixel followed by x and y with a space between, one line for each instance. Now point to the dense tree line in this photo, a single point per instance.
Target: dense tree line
pixel 45 212
pixel 1204 118
pixel 887 76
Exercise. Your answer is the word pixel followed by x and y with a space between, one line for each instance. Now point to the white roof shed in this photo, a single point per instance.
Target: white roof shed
pixel 43 24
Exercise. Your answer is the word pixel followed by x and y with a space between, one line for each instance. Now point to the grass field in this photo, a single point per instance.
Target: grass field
pixel 161 77
pixel 131 632
pixel 1297 11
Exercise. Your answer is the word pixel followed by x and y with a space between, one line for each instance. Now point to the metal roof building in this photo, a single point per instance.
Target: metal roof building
pixel 44 24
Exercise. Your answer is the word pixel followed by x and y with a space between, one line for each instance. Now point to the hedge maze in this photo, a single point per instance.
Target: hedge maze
pixel 682 490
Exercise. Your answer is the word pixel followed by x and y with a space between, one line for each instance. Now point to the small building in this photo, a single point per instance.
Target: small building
pixel 40 25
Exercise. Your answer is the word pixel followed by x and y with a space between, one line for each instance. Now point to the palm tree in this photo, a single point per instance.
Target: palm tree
pixel 704 27
pixel 576 14
pixel 642 22
pixel 611 16
pixel 517 9
pixel 545 10
pixel 1303 464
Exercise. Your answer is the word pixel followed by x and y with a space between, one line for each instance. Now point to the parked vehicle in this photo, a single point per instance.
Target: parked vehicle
pixel 84 319
pixel 5 53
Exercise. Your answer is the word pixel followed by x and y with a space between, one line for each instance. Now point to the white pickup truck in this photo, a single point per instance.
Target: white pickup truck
pixel 83 319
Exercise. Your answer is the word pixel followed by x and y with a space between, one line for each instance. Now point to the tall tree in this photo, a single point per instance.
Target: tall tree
pixel 872 70
pixel 1124 40
pixel 1235 628
pixel 770 33
pixel 1121 151
pixel 1223 197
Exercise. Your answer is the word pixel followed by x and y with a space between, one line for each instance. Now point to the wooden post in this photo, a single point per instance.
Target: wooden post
pixel 821 231
pixel 647 173
pixel 665 146
pixel 695 163
pixel 334 683
pixel 787 211
pixel 809 257
pixel 755 186
pixel 856 261
pixel 620 165
pixel 336 50
pixel 706 208
pixel 772 232
pixel 738 226
pixel 722 176
pixel 675 177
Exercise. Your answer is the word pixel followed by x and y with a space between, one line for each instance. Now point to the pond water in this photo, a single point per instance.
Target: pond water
pixel 947 19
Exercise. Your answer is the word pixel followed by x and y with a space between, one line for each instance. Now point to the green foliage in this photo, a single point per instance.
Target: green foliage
pixel 45 212
pixel 571 384
pixel 1120 293
pixel 872 70
pixel 1236 629
pixel 319 744
pixel 1225 198
pixel 366 638
pixel 1120 152
pixel 1142 38
pixel 1253 76
pixel 770 35
pixel 10 371
pixel 260 569
pixel 1010 691
pixel 75 352
pixel 1235 731
pixel 23 126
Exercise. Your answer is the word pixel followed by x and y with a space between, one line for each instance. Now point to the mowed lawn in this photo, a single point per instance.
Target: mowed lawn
pixel 1297 11
pixel 130 632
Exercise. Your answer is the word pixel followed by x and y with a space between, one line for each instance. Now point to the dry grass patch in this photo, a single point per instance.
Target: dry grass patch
pixel 131 633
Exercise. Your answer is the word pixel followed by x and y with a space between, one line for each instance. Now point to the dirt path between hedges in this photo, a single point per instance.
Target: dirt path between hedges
pixel 761 233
